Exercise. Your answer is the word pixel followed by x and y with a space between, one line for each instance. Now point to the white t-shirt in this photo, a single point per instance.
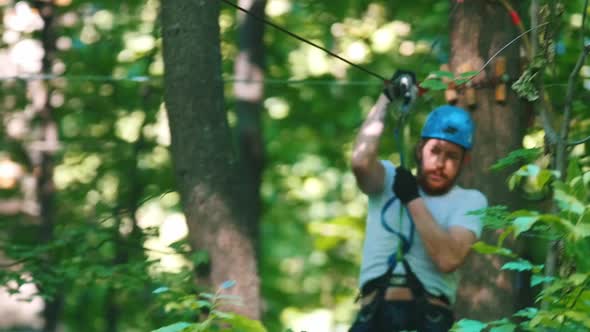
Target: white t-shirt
pixel 448 210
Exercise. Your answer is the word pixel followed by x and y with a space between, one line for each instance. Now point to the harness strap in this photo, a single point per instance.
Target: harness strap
pixel 409 280
pixel 405 242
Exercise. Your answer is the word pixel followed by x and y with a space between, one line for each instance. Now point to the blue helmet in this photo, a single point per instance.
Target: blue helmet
pixel 450 123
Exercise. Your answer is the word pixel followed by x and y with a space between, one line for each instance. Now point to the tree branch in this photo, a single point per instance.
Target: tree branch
pixel 580 141
pixel 550 132
pixel 570 93
pixel 582 57
pixel 584 15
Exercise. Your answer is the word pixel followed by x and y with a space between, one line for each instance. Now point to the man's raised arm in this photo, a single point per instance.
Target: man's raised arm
pixel 367 168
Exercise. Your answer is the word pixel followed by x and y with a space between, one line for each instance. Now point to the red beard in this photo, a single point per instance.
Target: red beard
pixel 437 189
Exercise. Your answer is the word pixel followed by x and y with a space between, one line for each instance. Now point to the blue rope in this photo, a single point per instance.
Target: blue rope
pixel 405 243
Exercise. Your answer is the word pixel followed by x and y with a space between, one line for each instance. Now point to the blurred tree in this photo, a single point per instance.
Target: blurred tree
pixel 208 178
pixel 478 30
pixel 43 157
pixel 249 94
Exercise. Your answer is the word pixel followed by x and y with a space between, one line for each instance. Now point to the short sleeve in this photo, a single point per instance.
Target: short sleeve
pixel 389 174
pixel 388 181
pixel 474 200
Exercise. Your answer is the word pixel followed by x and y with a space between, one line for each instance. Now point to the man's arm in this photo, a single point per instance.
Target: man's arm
pixel 448 249
pixel 367 168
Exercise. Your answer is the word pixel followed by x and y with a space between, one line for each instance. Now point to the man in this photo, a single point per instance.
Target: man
pixel 407 277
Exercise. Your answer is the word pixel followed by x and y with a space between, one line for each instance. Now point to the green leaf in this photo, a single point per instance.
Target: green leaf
pixel 461 81
pixel 504 235
pixel 203 304
pixel 241 323
pixel 539 279
pixel 161 290
pixel 179 245
pixel 176 327
pixel 521 265
pixel 544 177
pixel 580 231
pixel 486 249
pixel 207 295
pixel 230 298
pixel 529 313
pixel 433 84
pixel 578 278
pixel 495 217
pixel 200 257
pixel 573 169
pixel 228 284
pixel 581 317
pixel 469 74
pixel 513 182
pixel 521 156
pixel 523 224
pixel 222 315
pixel 529 170
pixel 468 325
pixel 525 86
pixel 568 202
pixel 442 73
pixel 509 327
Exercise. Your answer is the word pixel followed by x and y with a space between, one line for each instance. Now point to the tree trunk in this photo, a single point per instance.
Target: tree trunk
pixel 43 157
pixel 479 29
pixel 249 93
pixel 204 163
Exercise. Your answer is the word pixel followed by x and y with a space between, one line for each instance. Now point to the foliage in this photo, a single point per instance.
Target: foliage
pixel 440 79
pixel 113 164
pixel 566 296
pixel 525 86
pixel 209 306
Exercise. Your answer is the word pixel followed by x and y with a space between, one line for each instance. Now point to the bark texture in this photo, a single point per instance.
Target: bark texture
pixel 205 166
pixel 479 29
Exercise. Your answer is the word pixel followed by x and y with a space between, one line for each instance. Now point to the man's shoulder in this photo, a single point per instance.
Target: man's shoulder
pixel 387 163
pixel 470 195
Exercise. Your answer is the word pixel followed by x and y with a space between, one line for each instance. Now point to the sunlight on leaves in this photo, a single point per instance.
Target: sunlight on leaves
pixel 176 327
pixel 468 325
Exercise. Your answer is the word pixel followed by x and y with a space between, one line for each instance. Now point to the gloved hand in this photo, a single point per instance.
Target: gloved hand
pixel 405 185
pixel 402 85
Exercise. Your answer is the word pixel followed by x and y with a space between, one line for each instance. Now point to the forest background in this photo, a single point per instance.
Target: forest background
pixel 98 227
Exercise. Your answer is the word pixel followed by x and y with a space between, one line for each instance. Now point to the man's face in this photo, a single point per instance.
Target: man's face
pixel 441 163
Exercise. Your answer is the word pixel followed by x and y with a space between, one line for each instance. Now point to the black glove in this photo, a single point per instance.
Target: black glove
pixel 405 185
pixel 400 85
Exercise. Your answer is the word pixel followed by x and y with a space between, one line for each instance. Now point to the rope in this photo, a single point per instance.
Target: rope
pixel 505 47
pixel 405 243
pixel 265 21
pixel 517 21
pixel 142 79
pixel 92 78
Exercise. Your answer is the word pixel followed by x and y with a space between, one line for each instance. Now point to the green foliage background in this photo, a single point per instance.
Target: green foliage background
pixel 114 165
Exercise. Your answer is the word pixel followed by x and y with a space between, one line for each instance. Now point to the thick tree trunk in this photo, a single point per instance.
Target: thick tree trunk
pixel 480 28
pixel 206 171
pixel 249 93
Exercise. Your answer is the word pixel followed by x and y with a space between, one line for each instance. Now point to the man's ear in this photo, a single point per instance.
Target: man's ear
pixel 466 159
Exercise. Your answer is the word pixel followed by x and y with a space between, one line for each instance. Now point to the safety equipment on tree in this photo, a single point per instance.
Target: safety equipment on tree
pixel 450 123
pixel 405 185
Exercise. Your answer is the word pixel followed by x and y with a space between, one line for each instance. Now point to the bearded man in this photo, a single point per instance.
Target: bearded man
pixel 418 228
